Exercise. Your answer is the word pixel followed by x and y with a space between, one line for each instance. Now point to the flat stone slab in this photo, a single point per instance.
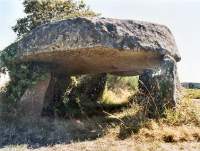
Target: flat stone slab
pixel 32 101
pixel 96 45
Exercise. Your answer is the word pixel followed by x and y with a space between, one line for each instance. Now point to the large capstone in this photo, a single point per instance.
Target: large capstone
pixel 102 45
pixel 98 45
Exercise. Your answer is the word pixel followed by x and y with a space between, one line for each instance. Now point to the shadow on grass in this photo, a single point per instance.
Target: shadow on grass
pixel 40 132
pixel 132 125
pixel 36 133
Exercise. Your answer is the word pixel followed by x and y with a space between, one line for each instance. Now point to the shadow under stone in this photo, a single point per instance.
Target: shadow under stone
pixel 37 133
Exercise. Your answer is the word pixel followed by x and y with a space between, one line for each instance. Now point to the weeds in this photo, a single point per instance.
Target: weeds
pixel 192 93
pixel 118 90
pixel 181 124
pixel 187 112
pixel 130 122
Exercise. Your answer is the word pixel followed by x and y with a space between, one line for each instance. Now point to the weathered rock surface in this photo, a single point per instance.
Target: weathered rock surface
pixel 83 96
pixel 96 45
pixel 32 101
pixel 54 93
pixel 70 96
pixel 160 87
pixel 100 45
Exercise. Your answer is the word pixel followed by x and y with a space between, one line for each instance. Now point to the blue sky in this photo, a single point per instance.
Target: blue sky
pixel 181 16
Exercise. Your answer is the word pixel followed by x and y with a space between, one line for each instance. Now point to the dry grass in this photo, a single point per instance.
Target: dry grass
pixel 182 124
pixel 187 112
pixel 170 134
pixel 113 145
pixel 192 93
pixel 44 131
pixel 116 96
pixel 125 129
pixel 119 89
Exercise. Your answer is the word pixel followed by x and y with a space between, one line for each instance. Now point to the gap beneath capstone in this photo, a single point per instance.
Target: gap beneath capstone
pixel 96 60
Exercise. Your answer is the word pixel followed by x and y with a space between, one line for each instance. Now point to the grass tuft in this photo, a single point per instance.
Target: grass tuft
pixel 128 123
pixel 118 90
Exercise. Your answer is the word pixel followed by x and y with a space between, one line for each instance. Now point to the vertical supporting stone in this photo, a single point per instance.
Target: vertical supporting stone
pixel 32 101
pixel 54 94
pixel 85 95
pixel 160 87
pixel 93 88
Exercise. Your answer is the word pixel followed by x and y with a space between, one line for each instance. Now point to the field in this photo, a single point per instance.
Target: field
pixel 124 130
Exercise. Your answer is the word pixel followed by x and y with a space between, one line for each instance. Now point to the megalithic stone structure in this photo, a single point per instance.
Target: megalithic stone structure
pixel 103 45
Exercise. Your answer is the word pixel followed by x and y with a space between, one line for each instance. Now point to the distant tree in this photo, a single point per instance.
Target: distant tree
pixel 43 11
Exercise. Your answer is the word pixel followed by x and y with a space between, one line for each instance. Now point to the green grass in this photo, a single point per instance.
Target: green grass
pixel 122 81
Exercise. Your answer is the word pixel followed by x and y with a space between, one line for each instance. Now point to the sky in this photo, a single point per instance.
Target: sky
pixel 181 16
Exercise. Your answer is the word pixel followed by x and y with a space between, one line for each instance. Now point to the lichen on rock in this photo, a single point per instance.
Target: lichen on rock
pixel 160 87
pixel 102 45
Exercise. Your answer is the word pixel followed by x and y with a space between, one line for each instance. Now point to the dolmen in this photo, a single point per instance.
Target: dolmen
pixel 103 45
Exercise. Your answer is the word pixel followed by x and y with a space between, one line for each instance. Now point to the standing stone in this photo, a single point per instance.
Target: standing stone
pixel 54 94
pixel 83 96
pixel 32 101
pixel 160 87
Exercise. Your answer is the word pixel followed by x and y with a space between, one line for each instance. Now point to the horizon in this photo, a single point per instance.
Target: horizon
pixel 181 16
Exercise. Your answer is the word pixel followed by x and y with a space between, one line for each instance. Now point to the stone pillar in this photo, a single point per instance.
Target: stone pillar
pixel 46 97
pixel 55 93
pixel 84 96
pixel 32 101
pixel 93 87
pixel 160 87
